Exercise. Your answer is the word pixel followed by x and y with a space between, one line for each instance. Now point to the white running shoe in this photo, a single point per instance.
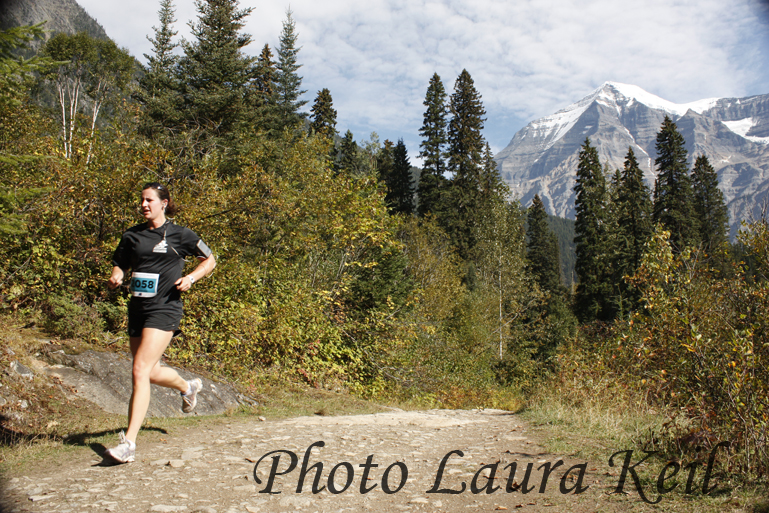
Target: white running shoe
pixel 190 399
pixel 124 452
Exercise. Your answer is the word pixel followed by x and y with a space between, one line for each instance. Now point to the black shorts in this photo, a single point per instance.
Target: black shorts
pixel 164 319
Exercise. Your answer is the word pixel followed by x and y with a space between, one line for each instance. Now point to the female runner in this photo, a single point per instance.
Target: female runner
pixel 155 252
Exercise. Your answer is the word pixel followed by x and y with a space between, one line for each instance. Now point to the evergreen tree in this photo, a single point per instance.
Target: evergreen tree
pixel 263 94
pixel 709 206
pixel 466 145
pixel 385 164
pixel 543 263
pixel 632 208
pixel 400 193
pixel 323 117
pixel 612 240
pixel 491 186
pixel 288 85
pixel 614 183
pixel 16 73
pixel 159 90
pixel 465 139
pixel 542 248
pixel 16 77
pixel 347 155
pixel 673 197
pixel 590 236
pixel 265 75
pixel 214 72
pixel 634 213
pixel 432 180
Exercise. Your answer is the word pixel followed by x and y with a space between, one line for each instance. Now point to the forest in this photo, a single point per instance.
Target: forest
pixel 341 268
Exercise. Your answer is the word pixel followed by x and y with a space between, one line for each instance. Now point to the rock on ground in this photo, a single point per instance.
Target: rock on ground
pixel 104 378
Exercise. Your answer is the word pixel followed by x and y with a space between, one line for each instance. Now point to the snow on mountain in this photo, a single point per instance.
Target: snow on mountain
pixel 632 92
pixel 613 95
pixel 742 127
pixel 733 132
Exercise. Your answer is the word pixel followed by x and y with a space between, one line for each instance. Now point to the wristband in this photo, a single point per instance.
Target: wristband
pixel 192 279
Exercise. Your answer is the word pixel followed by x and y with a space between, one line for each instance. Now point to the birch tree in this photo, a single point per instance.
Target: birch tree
pixel 88 74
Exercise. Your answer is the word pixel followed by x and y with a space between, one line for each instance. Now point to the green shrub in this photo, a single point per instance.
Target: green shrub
pixel 68 317
pixel 699 348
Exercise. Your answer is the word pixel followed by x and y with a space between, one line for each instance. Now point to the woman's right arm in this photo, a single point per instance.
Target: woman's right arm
pixel 116 279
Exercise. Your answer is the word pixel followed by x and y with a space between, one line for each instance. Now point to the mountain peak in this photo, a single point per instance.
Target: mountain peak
pixel 617 96
pixel 542 157
pixel 619 93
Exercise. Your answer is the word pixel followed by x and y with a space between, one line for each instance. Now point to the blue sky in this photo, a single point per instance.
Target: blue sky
pixel 528 58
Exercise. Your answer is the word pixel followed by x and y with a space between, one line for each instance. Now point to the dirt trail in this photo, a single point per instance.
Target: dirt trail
pixel 207 470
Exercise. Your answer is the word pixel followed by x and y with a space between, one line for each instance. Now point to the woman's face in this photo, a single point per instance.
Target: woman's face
pixel 151 205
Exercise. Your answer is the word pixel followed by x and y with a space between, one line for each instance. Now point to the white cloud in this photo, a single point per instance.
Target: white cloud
pixel 528 58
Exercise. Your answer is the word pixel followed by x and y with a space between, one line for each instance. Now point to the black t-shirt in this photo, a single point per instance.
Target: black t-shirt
pixel 158 255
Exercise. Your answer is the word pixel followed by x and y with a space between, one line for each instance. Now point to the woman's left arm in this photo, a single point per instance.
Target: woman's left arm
pixel 202 270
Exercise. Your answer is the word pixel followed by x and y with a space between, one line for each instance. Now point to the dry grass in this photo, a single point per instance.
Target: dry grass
pixel 592 424
pixel 609 422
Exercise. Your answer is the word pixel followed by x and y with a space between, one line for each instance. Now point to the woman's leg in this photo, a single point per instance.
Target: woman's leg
pixel 147 351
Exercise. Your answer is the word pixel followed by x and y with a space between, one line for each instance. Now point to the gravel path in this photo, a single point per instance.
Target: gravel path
pixel 211 470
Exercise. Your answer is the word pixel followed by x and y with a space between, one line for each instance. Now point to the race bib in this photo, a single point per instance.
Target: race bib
pixel 144 284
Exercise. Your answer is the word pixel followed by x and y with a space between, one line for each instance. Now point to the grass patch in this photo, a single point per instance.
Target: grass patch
pixel 591 425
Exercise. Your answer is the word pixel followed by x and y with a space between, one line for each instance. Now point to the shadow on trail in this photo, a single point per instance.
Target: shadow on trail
pixel 83 440
pixel 12 438
pixel 5 505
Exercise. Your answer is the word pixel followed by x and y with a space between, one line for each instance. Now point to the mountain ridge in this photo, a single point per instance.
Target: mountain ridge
pixel 65 16
pixel 733 133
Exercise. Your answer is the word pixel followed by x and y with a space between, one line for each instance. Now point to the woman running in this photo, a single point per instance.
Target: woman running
pixel 155 252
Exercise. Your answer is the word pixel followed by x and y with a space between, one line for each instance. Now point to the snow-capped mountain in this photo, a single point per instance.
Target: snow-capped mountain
pixel 732 132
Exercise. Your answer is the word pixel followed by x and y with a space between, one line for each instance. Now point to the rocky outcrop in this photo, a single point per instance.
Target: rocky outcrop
pixel 65 16
pixel 105 379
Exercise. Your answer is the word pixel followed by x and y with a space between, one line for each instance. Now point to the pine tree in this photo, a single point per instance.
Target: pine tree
pixel 590 236
pixel 542 248
pixel 631 229
pixel 214 72
pixel 465 139
pixel 400 194
pixel 159 90
pixel 466 145
pixel 263 94
pixel 347 155
pixel 432 180
pixel 323 117
pixel 634 213
pixel 673 196
pixel 288 85
pixel 16 73
pixel 709 206
pixel 543 263
pixel 385 164
pixel 265 75
pixel 491 186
